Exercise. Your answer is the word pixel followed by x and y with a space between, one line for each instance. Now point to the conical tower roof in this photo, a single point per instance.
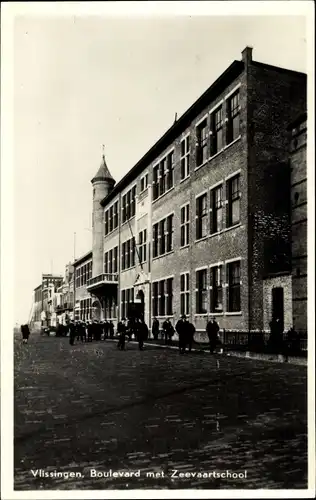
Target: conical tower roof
pixel 103 174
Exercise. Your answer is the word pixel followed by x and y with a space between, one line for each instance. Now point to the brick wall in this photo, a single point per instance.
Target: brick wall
pixel 286 283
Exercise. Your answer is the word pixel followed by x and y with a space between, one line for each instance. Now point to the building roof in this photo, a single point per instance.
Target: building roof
pixel 82 259
pixel 103 174
pixel 229 75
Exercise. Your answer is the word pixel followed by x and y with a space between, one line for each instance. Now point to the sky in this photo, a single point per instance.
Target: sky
pixel 80 82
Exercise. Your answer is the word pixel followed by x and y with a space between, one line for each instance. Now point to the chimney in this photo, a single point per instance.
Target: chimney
pixel 246 55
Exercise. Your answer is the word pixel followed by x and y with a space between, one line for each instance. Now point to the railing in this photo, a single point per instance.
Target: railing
pixel 103 279
pixel 287 344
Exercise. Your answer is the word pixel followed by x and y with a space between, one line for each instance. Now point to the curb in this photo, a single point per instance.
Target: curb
pixel 272 358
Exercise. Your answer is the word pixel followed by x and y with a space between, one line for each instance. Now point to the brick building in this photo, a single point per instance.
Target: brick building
pixel 43 310
pixel 201 224
pixel 298 138
pixel 82 298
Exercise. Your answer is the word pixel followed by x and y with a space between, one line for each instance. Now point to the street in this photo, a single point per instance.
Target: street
pixel 91 408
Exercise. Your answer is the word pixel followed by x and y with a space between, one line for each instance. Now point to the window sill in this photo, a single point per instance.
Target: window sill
pixel 185 246
pixel 217 154
pixel 163 255
pixel 201 239
pixel 215 234
pixel 127 221
pixel 237 313
pixel 111 232
pixel 184 179
pixel 216 314
pixel 231 227
pixel 162 195
pixel 127 269
pixel 203 315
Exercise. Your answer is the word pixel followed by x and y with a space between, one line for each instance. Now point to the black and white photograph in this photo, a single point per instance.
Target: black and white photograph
pixel 157 300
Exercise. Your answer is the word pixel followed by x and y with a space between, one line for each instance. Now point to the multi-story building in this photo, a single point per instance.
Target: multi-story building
pixel 64 300
pixel 43 311
pixel 82 298
pixel 201 224
pixel 298 138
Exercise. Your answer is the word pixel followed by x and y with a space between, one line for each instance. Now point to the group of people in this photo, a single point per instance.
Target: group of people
pixel 134 327
pixel 90 330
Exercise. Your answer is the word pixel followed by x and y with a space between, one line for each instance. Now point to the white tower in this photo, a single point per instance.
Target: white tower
pixel 102 184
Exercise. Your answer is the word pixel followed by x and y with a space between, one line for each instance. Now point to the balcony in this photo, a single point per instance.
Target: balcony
pixel 101 281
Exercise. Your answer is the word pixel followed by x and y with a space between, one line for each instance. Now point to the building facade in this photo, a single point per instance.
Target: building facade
pixel 64 299
pixel 201 224
pixel 298 144
pixel 44 298
pixel 82 298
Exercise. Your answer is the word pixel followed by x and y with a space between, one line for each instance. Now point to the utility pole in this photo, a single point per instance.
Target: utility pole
pixel 74 247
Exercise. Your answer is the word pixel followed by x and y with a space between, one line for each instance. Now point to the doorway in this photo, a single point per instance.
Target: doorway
pixel 278 304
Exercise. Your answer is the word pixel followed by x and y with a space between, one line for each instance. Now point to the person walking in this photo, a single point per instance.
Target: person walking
pixel 121 330
pixel 111 329
pixel 190 334
pixel 212 329
pixel 72 332
pixel 141 332
pixel 168 331
pixel 155 328
pixel 90 331
pixel 182 330
pixel 25 333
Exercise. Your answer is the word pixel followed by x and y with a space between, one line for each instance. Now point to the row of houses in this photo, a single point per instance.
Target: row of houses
pixel 212 220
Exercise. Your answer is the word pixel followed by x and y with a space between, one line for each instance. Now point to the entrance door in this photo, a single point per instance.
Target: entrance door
pixel 96 310
pixel 278 304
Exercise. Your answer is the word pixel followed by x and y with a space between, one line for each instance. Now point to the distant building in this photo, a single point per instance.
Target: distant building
pixel 201 225
pixel 64 299
pixel 43 311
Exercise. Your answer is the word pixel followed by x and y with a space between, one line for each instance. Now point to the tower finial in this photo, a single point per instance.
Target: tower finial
pixel 103 150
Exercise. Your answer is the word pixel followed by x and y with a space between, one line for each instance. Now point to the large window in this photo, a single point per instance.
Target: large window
pixel 127 297
pixel 143 183
pixel 162 295
pixel 233 189
pixel 233 116
pixel 163 236
pixel 201 291
pixel 185 225
pixel 142 245
pixel 83 274
pixel 111 218
pixel 185 293
pixel 128 254
pixel 111 261
pixel 233 278
pixel 85 309
pixel 216 209
pixel 216 289
pixel 217 131
pixel 185 157
pixel 163 176
pixel 201 217
pixel 128 204
pixel 201 144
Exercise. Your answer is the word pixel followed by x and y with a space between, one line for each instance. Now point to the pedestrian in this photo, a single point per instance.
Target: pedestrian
pixel 111 329
pixel 276 335
pixel 106 328
pixel 190 334
pixel 72 332
pixel 121 330
pixel 212 329
pixel 77 328
pixel 90 330
pixel 141 332
pixel 82 329
pixel 155 328
pixel 182 330
pixel 25 333
pixel 168 331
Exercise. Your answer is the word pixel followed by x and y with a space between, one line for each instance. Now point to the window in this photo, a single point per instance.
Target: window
pixel 127 297
pixel 142 249
pixel 111 218
pixel 128 204
pixel 201 145
pixel 233 278
pixel 201 291
pixel 163 176
pixel 162 297
pixel 110 261
pixel 233 116
pixel 143 183
pixel 216 209
pixel 185 293
pixel 185 157
pixel 216 289
pixel 128 254
pixel 163 236
pixel 201 217
pixel 185 225
pixel 217 131
pixel 233 188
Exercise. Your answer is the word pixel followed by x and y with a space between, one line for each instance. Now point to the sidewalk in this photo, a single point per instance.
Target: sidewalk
pixel 202 348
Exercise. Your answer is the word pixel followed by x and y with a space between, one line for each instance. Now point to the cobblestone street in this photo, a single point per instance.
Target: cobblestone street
pixel 91 406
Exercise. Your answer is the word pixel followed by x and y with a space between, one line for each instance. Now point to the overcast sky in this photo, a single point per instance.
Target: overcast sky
pixel 82 82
